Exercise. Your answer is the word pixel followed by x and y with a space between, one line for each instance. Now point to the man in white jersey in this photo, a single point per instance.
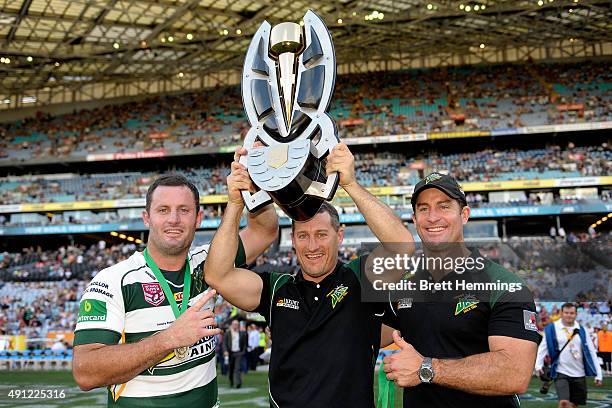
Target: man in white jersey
pixel 145 327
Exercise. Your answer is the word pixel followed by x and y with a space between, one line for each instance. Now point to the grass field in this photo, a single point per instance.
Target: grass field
pixel 253 393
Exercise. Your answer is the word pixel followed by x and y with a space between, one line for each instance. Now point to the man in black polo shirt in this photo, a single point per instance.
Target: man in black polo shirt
pixel 326 339
pixel 463 345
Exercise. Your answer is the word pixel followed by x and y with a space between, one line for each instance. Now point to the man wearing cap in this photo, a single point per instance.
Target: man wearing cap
pixel 460 347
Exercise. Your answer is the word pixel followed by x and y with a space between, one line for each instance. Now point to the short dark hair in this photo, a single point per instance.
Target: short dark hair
pixel 172 180
pixel 568 305
pixel 326 207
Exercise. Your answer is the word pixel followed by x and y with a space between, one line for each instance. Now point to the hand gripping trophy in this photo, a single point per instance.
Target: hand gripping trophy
pixel 287 84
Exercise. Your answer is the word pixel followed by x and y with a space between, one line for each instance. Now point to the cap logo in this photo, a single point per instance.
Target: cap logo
pixel 432 177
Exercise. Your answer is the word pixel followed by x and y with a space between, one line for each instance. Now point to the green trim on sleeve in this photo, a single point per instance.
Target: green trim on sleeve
pixel 240 260
pixel 90 336
pixel 497 272
pixel 277 280
pixel 355 266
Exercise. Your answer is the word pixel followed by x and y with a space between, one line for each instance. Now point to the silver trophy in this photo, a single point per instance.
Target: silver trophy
pixel 287 84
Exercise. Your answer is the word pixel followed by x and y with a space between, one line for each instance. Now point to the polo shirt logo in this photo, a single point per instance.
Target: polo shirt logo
pixel 405 303
pixel 288 303
pixel 465 303
pixel 337 295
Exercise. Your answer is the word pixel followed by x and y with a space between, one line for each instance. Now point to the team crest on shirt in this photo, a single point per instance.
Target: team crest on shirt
pixel 465 303
pixel 153 293
pixel 337 295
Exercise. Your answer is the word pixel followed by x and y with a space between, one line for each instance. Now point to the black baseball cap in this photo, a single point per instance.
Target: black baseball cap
pixel 443 182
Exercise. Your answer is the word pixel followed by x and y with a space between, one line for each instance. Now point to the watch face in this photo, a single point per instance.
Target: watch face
pixel 426 374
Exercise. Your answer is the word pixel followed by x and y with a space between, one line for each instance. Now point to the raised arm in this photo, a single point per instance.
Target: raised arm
pixel 240 287
pixel 261 231
pixel 381 219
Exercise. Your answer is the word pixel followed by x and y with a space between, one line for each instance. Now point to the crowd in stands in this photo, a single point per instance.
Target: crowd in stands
pixel 374 169
pixel 445 99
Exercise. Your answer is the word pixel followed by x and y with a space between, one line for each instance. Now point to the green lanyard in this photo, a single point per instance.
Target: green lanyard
pixel 386 390
pixel 166 288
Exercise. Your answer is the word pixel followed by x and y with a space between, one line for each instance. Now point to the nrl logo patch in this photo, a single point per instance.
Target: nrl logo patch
pixel 465 303
pixel 432 177
pixel 530 320
pixel 337 295
pixel 288 303
pixel 153 293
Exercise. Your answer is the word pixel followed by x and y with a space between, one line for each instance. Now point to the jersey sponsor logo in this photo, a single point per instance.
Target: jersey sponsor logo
pixel 465 303
pixel 178 296
pixel 99 287
pixel 153 293
pixel 337 295
pixel 92 310
pixel 201 349
pixel 288 303
pixel 530 320
pixel 405 303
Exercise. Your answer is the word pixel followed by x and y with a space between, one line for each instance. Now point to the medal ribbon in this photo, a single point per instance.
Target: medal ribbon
pixel 166 288
pixel 386 390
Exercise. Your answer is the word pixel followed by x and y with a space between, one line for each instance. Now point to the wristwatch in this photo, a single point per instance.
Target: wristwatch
pixel 426 372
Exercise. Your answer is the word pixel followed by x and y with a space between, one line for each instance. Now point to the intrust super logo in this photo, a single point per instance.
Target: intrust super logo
pixel 92 310
pixel 289 303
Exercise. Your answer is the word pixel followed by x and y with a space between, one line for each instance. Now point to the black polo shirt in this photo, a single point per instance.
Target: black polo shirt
pixel 325 340
pixel 452 324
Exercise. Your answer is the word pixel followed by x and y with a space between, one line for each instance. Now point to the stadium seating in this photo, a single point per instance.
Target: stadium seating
pixel 373 170
pixel 491 97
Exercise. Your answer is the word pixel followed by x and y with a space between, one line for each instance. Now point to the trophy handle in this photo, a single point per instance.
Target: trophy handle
pixel 254 202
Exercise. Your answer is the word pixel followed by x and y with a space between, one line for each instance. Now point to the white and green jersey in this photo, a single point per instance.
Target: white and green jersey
pixel 124 304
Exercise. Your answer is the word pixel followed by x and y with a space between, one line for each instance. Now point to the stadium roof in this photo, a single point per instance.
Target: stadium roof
pixel 65 46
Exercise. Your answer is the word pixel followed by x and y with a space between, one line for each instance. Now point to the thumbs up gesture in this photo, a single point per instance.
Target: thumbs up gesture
pixel 403 366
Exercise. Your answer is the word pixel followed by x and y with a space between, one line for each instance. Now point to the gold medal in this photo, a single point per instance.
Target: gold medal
pixel 181 352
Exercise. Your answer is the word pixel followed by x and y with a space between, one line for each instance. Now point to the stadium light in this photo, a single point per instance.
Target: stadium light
pixel 429 6
pixel 138 241
pixel 483 7
pixel 116 45
pixel 57 64
pixel 604 219
pixel 238 31
pixel 122 236
pixel 468 8
pixel 29 58
pixel 339 21
pixel 2 60
pixel 540 3
pixel 170 38
pixel 461 6
pixel 482 45
pixel 180 75
pixel 476 7
pixel 131 239
pixel 163 40
pixel 114 233
pixel 189 36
